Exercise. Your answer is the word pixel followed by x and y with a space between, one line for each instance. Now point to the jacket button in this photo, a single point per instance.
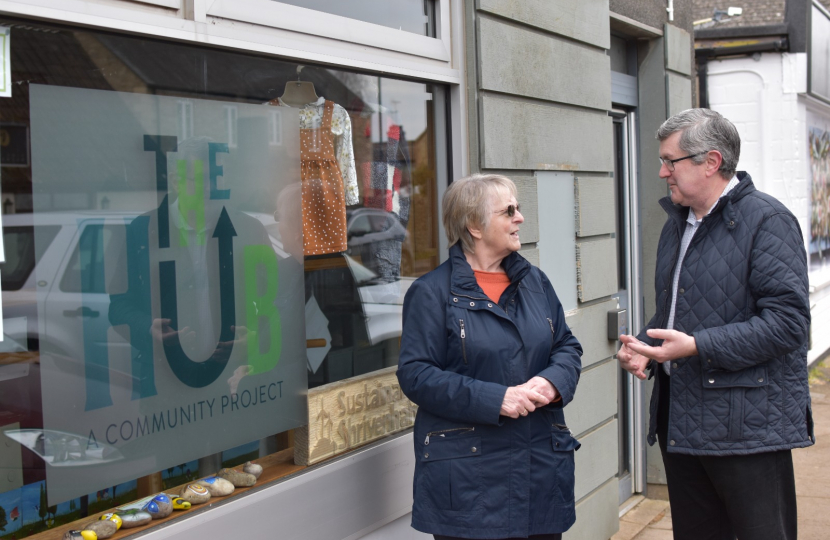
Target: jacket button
pixel 426 456
pixel 676 365
pixel 455 299
pixel 671 442
pixel 711 381
pixel 709 360
pixel 760 379
pixel 472 304
pixel 473 449
pixel 731 223
pixel 489 305
pixel 681 291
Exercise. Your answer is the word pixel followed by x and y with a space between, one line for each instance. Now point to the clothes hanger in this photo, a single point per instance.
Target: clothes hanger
pixel 298 93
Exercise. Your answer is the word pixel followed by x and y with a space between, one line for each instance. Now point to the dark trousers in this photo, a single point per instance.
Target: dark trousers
pixel 721 497
pixel 557 536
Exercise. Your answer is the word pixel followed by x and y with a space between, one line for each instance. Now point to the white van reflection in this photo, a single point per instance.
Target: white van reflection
pixel 44 261
pixel 61 449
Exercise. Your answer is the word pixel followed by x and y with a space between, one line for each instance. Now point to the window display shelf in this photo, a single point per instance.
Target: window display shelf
pixel 274 467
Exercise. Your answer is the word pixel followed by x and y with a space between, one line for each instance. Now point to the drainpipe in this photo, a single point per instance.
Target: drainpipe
pixel 670 9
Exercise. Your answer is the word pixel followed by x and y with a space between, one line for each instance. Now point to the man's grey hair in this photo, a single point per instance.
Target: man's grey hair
pixel 467 203
pixel 704 130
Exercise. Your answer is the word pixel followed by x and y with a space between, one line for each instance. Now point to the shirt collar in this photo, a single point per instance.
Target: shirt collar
pixel 692 219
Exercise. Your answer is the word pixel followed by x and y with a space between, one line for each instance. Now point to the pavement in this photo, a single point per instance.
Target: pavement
pixel 650 519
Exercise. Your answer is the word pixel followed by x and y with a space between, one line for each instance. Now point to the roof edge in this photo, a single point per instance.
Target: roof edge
pixel 781 29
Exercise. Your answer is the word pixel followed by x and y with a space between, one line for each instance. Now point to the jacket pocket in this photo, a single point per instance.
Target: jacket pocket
pixel 450 474
pixel 563 445
pixel 735 404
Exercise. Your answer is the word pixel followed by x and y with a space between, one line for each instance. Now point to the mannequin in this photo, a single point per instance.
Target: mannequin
pixel 298 93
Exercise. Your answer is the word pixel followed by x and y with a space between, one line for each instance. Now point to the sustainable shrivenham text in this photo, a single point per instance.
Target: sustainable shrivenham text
pixel 368 400
pixel 175 417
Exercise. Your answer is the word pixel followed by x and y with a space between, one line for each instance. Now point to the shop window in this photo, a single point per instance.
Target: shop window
pixel 197 238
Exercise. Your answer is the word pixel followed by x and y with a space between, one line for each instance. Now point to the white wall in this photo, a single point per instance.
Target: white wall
pixel 761 98
pixel 764 96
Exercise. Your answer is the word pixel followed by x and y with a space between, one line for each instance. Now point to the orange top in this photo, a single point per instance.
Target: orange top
pixel 492 283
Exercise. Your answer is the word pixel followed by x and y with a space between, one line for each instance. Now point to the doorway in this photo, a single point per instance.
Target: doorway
pixel 630 390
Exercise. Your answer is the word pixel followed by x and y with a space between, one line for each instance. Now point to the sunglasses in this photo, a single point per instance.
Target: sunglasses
pixel 510 210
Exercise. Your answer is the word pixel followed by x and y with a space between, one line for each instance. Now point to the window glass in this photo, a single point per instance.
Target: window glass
pixel 19 245
pixel 194 239
pixel 414 16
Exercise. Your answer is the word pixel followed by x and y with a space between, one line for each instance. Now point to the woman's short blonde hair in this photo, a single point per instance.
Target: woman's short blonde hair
pixel 467 203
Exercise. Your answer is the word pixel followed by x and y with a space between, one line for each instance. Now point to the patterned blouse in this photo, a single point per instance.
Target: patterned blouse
pixel 311 117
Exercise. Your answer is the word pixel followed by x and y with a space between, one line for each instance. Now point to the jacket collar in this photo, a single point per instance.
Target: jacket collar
pixel 463 278
pixel 724 207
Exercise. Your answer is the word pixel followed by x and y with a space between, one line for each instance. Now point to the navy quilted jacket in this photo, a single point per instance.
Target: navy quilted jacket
pixel 479 474
pixel 743 295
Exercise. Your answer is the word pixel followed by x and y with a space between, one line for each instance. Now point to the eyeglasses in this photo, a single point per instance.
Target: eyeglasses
pixel 669 163
pixel 510 210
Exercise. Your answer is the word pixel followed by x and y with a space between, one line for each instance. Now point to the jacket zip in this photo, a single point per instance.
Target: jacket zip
pixel 444 432
pixel 463 340
pixel 552 333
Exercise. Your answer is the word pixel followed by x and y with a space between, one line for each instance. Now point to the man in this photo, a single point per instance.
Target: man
pixel 728 341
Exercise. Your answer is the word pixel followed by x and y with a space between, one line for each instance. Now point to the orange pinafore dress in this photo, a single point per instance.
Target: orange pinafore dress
pixel 324 201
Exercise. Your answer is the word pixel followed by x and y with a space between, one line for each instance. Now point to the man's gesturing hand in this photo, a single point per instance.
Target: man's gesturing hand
pixel 675 345
pixel 631 361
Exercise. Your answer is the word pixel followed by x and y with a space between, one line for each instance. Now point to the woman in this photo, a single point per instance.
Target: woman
pixel 489 360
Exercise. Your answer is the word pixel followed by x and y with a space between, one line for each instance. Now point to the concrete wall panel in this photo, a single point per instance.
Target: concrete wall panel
pixel 596 269
pixel 678 93
pixel 596 516
pixel 525 135
pixel 678 44
pixel 531 253
pixel 590 326
pixel 596 461
pixel 594 204
pixel 515 60
pixel 529 201
pixel 596 397
pixel 582 20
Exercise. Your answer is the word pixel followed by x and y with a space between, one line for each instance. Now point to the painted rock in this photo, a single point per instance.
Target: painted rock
pixel 114 518
pixel 218 487
pixel 180 504
pixel 253 468
pixel 164 504
pixel 104 529
pixel 195 493
pixel 80 535
pixel 134 518
pixel 237 478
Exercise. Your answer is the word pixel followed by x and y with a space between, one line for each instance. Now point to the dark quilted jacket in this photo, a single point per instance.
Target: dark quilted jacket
pixel 743 295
